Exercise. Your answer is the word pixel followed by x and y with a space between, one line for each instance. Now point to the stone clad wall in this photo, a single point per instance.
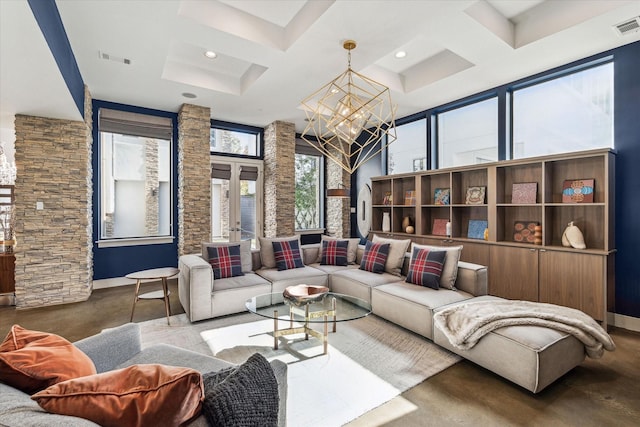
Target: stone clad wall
pixel 279 179
pixel 338 221
pixel 194 178
pixel 54 249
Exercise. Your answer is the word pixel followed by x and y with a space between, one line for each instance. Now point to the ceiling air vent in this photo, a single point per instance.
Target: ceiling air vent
pixel 629 26
pixel 113 58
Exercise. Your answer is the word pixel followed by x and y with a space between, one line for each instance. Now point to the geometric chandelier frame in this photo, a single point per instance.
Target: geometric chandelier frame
pixel 348 116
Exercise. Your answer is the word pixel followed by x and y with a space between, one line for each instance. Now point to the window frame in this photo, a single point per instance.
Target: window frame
pixel 97 181
pixel 240 128
pixel 310 151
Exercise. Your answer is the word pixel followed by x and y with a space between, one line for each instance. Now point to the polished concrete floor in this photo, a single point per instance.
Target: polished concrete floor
pixel 603 392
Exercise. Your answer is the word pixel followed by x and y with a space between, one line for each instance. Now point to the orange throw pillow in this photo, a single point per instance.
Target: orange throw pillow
pixel 139 395
pixel 32 361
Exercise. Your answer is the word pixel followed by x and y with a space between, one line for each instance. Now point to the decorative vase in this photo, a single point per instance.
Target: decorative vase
pixel 409 229
pixel 406 222
pixel 572 237
pixel 447 228
pixel 386 222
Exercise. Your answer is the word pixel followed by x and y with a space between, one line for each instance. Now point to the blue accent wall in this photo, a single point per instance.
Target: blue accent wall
pixel 119 261
pixel 626 60
pixel 50 23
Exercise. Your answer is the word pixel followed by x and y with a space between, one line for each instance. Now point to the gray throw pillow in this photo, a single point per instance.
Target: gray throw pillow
pixel 397 251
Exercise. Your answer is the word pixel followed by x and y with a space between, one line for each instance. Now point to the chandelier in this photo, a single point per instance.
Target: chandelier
pixel 348 116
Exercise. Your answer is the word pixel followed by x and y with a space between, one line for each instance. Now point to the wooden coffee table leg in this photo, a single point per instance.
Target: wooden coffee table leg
pixel 167 304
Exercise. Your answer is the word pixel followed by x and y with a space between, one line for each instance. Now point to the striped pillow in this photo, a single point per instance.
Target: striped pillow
pixel 425 268
pixel 334 252
pixel 225 261
pixel 375 256
pixel 287 254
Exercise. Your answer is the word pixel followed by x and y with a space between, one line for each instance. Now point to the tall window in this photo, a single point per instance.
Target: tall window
pixel 408 153
pixel 570 113
pixel 308 207
pixel 135 175
pixel 468 135
pixel 226 141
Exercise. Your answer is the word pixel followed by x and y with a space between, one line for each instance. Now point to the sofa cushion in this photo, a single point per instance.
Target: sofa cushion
pixel 352 248
pixel 245 252
pixel 397 251
pixel 248 280
pixel 330 269
pixel 243 396
pixel 31 360
pixel 425 267
pixel 450 268
pixel 267 257
pixel 287 254
pixel 225 261
pixel 300 274
pixel 374 257
pixel 334 252
pixel 139 395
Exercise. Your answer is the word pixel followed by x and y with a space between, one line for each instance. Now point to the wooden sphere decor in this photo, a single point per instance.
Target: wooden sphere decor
pixel 409 229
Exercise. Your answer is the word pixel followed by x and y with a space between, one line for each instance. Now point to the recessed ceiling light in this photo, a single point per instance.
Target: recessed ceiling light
pixel 400 54
pixel 210 54
pixel 189 95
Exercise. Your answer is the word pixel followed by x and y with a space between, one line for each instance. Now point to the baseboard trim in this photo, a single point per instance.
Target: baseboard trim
pixel 624 322
pixel 112 283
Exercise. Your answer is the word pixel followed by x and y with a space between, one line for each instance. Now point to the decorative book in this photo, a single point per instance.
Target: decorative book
pixel 578 190
pixel 524 231
pixel 476 229
pixel 524 193
pixel 475 195
pixel 410 197
pixel 442 196
pixel 439 227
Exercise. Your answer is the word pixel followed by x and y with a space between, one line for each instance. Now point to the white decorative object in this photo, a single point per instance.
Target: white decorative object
pixel 386 222
pixel 448 229
pixel 572 237
pixel 363 210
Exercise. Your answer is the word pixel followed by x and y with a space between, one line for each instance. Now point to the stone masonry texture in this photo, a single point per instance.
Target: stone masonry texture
pixel 338 217
pixel 279 179
pixel 194 178
pixel 54 249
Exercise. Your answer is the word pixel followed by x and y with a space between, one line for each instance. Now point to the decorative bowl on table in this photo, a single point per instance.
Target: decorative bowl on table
pixel 304 294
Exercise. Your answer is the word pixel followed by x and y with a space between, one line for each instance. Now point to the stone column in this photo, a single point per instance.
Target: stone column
pixel 338 222
pixel 279 179
pixel 54 244
pixel 151 186
pixel 194 178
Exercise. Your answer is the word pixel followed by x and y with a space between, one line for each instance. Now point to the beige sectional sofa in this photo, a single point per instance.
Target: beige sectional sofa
pixel 530 356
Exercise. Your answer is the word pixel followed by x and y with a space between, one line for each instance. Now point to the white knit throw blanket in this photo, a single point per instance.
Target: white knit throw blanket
pixel 465 324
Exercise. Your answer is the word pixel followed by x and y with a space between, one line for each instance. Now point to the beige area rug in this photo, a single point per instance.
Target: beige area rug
pixel 369 362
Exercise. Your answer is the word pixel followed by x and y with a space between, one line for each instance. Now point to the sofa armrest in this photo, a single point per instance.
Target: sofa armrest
pixel 472 278
pixel 195 284
pixel 111 347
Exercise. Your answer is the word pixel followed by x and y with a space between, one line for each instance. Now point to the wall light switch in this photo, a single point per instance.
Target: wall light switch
pixel 39 206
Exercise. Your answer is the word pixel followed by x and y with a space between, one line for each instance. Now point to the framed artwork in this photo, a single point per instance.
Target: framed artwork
pixel 524 231
pixel 524 193
pixel 410 197
pixel 475 195
pixel 442 196
pixel 578 190
pixel 439 227
pixel 476 229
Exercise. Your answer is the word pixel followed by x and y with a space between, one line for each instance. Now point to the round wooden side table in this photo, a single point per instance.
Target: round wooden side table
pixel 154 274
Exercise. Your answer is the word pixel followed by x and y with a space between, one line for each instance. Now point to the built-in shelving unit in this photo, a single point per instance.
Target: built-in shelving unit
pixel 547 271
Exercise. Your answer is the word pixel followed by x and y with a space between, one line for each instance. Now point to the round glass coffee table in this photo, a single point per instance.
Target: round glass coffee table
pixel 332 308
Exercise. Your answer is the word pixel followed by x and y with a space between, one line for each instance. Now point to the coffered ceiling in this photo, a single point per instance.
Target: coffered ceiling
pixel 273 53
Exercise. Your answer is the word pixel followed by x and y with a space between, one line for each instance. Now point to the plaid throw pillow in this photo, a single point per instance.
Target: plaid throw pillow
pixel 334 252
pixel 287 254
pixel 225 261
pixel 426 267
pixel 375 256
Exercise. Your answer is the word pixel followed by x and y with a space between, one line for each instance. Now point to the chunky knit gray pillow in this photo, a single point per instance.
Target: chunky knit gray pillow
pixel 243 396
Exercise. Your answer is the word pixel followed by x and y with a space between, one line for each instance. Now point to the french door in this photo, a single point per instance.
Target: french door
pixel 236 199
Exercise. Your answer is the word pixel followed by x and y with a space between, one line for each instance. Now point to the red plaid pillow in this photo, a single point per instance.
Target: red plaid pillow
pixel 334 252
pixel 225 261
pixel 425 268
pixel 287 254
pixel 375 256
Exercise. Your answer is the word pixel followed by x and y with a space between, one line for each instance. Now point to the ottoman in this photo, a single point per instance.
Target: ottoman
pixel 531 356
